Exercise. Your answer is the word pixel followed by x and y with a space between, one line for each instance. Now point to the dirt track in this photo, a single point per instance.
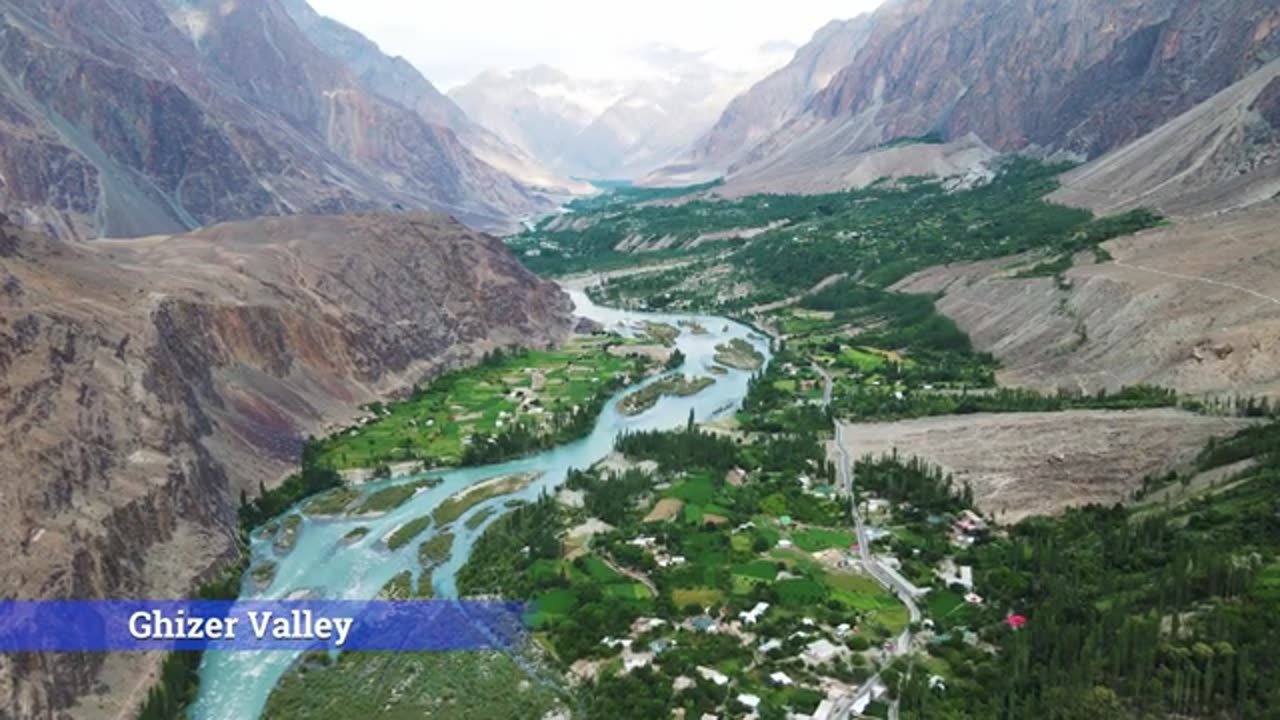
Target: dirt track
pixel 1022 464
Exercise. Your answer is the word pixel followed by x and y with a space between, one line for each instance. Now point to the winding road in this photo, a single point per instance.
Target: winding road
pixel 844 707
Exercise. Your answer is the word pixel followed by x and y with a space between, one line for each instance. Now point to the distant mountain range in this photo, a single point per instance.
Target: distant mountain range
pixel 135 117
pixel 601 129
pixel 1079 78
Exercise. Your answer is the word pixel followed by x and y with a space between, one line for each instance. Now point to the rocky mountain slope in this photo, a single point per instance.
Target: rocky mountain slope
pixel 145 383
pixel 395 79
pixel 1082 76
pixel 600 128
pixel 1192 306
pixel 1220 154
pixel 133 117
pixel 764 108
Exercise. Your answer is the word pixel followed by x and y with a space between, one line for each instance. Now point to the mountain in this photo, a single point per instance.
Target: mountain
pixel 134 117
pixel 601 128
pixel 769 104
pixel 148 382
pixel 1221 154
pixel 1082 77
pixel 395 79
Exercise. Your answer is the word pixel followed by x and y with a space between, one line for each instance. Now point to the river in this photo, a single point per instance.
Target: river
pixel 235 685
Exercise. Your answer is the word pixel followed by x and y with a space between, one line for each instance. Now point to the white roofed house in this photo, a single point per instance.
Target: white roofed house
pixel 753 615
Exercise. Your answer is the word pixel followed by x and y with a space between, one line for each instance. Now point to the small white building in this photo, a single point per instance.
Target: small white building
pixel 714 676
pixel 752 616
pixel 635 661
pixel 770 645
pixel 751 701
pixel 780 678
pixel 820 652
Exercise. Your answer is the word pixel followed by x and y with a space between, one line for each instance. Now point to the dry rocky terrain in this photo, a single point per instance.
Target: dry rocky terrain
pixel 1193 306
pixel 1023 464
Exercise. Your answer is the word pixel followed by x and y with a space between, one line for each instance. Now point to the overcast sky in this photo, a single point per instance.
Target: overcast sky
pixel 451 41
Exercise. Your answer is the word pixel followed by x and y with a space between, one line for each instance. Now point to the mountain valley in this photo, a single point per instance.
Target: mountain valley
pixel 935 375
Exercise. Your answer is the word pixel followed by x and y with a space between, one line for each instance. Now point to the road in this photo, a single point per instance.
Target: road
pixel 633 574
pixel 826 386
pixel 902 645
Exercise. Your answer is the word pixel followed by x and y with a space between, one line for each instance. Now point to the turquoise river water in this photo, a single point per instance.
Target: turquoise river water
pixel 235 685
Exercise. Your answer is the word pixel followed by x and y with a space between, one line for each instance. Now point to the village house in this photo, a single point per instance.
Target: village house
pixel 714 676
pixel 820 652
pixel 752 616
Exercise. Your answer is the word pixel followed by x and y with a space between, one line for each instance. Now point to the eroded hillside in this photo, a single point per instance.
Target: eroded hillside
pixel 147 383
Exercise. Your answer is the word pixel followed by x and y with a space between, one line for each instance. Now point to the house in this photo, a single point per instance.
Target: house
pixel 702 623
pixel 951 574
pixel 644 542
pixel 751 701
pixel 842 630
pixel 682 683
pixel 736 477
pixel 973 599
pixel 714 676
pixel 820 652
pixel 1015 621
pixel 770 645
pixel 936 682
pixel 752 616
pixel 646 624
pixel 635 661
pixel 785 544
pixel 780 678
pixel 661 645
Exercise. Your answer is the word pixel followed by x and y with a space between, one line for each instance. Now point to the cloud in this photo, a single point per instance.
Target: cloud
pixel 668 56
pixel 779 47
pixel 451 42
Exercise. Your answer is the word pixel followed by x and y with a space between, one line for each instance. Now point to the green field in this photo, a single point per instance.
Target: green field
pixel 434 424
pixel 815 539
pixel 698 489
pixel 757 569
pixel 702 597
pixel 445 686
pixel 627 591
pixel 598 571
